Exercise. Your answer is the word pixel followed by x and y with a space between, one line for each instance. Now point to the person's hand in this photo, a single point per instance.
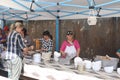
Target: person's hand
pixel 118 54
pixel 64 55
pixel 3 40
pixel 42 49
pixel 31 47
pixel 25 50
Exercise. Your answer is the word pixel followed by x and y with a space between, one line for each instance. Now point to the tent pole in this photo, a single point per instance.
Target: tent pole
pixel 2 24
pixel 57 34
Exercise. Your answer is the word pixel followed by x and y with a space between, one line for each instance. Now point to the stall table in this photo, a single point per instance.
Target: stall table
pixel 52 69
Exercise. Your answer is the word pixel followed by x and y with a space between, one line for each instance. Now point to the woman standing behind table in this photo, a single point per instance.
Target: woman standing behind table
pixel 28 42
pixel 47 45
pixel 69 49
pixel 26 37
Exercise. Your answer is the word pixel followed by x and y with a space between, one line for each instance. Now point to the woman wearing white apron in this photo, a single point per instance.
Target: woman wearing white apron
pixel 69 49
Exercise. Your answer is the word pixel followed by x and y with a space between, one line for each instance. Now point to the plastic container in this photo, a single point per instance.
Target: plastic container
pixel 37 58
pixel 109 69
pixel 96 66
pixel 81 67
pixel 77 61
pixel 108 62
pixel 56 56
pixel 88 64
pixel 118 71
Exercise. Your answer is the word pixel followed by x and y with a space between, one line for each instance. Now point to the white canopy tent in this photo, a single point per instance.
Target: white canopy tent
pixel 50 9
pixel 57 10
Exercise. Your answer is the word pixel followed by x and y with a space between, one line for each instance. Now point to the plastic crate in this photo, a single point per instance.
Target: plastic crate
pixel 107 62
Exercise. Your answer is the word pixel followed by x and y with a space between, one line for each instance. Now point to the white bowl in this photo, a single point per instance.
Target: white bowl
pixel 118 70
pixel 88 64
pixel 57 54
pixel 108 69
pixel 96 66
pixel 77 59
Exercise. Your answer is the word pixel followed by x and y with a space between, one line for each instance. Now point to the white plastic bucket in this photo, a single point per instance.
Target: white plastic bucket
pixel 37 58
pixel 56 56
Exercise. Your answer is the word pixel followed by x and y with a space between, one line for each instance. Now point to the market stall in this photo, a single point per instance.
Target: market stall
pixel 61 10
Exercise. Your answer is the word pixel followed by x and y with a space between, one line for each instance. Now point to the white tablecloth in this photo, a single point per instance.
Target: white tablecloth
pixel 37 72
pixel 4 78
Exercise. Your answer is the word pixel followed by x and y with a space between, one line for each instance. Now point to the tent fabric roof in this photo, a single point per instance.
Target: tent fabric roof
pixel 50 9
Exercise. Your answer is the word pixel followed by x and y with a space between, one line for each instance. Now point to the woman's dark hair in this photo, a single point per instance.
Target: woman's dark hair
pixel 47 33
pixel 24 31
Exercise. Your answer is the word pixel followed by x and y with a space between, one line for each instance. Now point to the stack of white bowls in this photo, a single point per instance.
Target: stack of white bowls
pixel 88 64
pixel 96 66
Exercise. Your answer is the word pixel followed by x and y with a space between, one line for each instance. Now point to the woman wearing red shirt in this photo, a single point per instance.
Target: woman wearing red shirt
pixel 69 49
